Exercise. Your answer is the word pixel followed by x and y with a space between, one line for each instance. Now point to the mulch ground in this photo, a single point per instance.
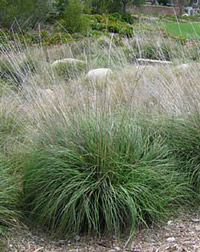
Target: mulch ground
pixel 178 234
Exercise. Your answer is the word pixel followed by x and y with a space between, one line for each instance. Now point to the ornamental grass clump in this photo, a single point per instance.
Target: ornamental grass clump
pixel 9 201
pixel 98 175
pixel 183 135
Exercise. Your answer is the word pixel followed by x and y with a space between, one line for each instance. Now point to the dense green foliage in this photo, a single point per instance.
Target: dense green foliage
pixel 23 13
pixel 28 14
pixel 72 18
pixel 101 175
pixel 60 6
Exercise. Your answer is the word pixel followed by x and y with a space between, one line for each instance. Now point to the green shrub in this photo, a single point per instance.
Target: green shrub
pixel 60 6
pixel 99 6
pixel 122 17
pixel 73 19
pixel 100 175
pixel 110 23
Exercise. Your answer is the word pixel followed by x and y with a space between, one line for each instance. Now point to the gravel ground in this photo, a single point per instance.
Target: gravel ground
pixel 179 234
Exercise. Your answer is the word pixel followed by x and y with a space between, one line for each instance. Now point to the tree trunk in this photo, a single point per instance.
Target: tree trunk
pixel 124 6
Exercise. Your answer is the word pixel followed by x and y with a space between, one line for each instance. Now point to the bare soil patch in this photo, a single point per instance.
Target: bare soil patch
pixel 178 234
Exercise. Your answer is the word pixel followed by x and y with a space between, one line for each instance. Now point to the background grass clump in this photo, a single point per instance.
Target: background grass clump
pixel 183 138
pixel 9 198
pixel 101 175
pixel 69 68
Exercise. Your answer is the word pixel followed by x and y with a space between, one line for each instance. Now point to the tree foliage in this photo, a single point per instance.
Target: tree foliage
pixel 111 6
pixel 72 16
pixel 25 13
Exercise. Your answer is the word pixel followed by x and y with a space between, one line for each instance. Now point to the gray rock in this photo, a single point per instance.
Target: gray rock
pixel 99 74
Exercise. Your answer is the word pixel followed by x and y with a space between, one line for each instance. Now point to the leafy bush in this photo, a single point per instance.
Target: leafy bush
pixel 109 23
pixel 122 17
pixel 100 175
pixel 60 6
pixel 11 40
pixel 73 19
pixel 100 6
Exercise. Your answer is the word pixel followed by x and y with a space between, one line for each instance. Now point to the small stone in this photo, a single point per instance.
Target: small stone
pixel 195 220
pixel 173 249
pixel 117 248
pixel 170 223
pixel 77 238
pixel 171 239
pixel 197 228
pixel 61 242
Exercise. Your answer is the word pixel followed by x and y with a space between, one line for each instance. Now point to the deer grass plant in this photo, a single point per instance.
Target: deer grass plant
pixel 101 175
pixel 183 140
pixel 9 197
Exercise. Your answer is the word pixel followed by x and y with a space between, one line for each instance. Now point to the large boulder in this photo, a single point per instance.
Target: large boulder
pixel 99 75
pixel 68 67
